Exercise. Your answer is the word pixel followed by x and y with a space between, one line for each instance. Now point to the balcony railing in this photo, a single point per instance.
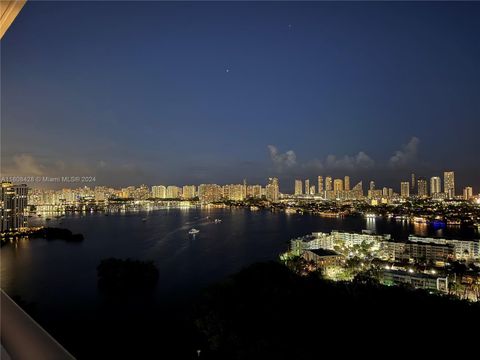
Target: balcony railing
pixel 23 339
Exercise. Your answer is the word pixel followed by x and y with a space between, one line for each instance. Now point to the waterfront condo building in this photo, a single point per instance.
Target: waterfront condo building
pixel 298 187
pixel 405 189
pixel 13 203
pixel 449 184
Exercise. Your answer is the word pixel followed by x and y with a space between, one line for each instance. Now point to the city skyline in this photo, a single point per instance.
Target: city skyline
pixel 293 91
pixel 432 184
pixel 435 187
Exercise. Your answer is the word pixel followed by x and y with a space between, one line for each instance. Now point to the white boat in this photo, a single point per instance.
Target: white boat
pixel 144 219
pixel 193 231
pixel 218 221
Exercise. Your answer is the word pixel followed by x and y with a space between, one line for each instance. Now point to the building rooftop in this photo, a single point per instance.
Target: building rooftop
pixel 324 252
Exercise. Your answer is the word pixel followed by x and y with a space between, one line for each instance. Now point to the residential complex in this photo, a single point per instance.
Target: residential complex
pixel 419 262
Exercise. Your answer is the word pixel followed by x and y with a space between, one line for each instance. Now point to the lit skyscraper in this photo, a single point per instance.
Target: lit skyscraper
pixel 372 185
pixel 328 183
pixel 209 192
pixel 159 192
pixel 13 202
pixel 234 192
pixel 346 182
pixel 173 192
pixel 390 192
pixel 320 184
pixel 273 189
pixel 298 187
pixel 435 185
pixel 337 185
pixel 188 191
pixel 467 193
pixel 412 187
pixel 405 189
pixel 307 187
pixel 358 189
pixel 449 184
pixel 422 187
pixel 254 191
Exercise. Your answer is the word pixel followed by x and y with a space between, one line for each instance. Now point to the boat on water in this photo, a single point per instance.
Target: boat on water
pixel 144 219
pixel 454 222
pixel 217 221
pixel 193 231
pixel 419 220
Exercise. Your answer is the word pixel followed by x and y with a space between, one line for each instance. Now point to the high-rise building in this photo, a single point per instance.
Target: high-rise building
pixel 337 185
pixel 435 185
pixel 449 184
pixel 372 185
pixel 385 191
pixel 320 184
pixel 312 190
pixel 467 193
pixel 412 187
pixel 273 189
pixel 405 189
pixel 346 183
pixel 298 187
pixel 254 191
pixel 159 192
pixel 328 183
pixel 209 192
pixel 234 192
pixel 140 193
pixel 390 193
pixel 422 187
pixel 13 203
pixel 189 191
pixel 173 192
pixel 307 187
pixel 358 187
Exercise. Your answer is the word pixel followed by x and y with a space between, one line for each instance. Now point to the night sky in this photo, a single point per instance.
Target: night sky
pixel 178 93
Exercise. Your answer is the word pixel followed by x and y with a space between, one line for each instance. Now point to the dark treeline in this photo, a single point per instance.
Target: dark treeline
pixel 51 233
pixel 266 311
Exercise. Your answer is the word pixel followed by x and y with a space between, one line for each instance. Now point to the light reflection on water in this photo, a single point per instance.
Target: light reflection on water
pixel 63 275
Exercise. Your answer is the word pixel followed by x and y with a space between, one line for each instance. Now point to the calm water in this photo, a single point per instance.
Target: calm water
pixel 60 278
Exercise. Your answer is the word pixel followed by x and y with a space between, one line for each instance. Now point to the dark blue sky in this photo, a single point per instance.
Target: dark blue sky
pixel 179 92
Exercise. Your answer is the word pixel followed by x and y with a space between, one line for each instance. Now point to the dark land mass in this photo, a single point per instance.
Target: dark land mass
pixel 266 311
pixel 51 233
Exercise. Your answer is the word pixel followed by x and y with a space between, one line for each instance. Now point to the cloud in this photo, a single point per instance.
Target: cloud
pixel 105 174
pixel 314 164
pixel 282 161
pixel 101 164
pixel 407 155
pixel 26 165
pixel 358 161
pixel 288 160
